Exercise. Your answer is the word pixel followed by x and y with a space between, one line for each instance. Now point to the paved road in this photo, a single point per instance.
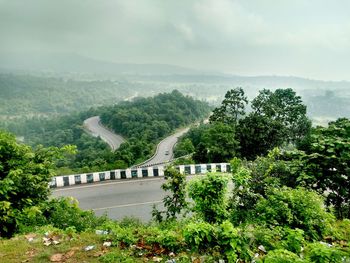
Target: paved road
pixel 118 199
pixel 164 151
pixel 96 129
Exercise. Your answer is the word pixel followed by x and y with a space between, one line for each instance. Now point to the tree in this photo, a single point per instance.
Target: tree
pixel 218 144
pixel 175 202
pixel 257 134
pixel 285 106
pixel 324 165
pixel 232 107
pixel 24 178
pixel 184 147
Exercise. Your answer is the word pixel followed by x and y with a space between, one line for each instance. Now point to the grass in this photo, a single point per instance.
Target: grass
pixel 19 249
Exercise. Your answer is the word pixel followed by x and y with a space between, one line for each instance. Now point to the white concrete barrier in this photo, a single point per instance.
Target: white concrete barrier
pixel 134 173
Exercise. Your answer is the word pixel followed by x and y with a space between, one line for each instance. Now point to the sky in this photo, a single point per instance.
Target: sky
pixel 306 38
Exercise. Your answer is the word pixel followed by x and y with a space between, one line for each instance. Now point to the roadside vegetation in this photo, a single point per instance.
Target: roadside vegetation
pixel 281 202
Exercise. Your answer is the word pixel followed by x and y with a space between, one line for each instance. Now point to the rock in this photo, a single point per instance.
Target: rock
pixel 57 258
pixel 88 248
pixel 262 248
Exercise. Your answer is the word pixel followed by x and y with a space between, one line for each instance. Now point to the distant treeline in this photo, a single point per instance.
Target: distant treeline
pixel 30 95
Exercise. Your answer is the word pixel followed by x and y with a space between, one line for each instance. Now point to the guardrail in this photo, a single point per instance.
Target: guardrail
pixel 134 173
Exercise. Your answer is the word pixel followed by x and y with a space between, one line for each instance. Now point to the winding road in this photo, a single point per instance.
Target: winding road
pixel 163 154
pixel 95 128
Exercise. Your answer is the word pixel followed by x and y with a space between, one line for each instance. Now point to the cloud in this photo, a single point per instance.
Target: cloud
pixel 237 36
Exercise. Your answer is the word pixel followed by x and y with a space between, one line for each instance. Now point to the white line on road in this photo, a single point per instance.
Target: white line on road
pixel 126 205
pixel 109 183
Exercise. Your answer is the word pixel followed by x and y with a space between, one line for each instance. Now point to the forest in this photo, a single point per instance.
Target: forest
pixel 142 121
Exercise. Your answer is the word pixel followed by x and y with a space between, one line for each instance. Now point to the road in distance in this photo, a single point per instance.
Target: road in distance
pixel 95 128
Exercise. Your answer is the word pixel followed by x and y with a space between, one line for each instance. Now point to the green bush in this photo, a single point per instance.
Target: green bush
pixel 324 253
pixel 124 236
pixel 282 256
pixel 200 235
pixel 209 196
pixel 295 208
pixel 61 213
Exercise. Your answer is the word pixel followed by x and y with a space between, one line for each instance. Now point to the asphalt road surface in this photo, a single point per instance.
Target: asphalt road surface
pixel 118 198
pixel 96 129
pixel 165 148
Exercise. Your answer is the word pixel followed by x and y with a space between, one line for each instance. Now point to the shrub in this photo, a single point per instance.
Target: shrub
pixel 282 256
pixel 209 196
pixel 295 208
pixel 24 177
pixel 200 235
pixel 324 253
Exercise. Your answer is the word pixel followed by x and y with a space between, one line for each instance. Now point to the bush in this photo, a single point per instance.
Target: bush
pixel 282 256
pixel 200 235
pixel 295 208
pixel 24 177
pixel 324 253
pixel 61 213
pixel 209 196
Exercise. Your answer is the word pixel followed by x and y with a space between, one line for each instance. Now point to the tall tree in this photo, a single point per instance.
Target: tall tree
pixel 232 107
pixel 285 106
pixel 324 165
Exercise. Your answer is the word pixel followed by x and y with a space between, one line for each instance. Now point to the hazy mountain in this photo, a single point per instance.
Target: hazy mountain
pixel 79 64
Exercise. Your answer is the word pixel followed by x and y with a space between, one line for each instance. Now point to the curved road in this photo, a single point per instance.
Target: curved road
pixel 164 152
pixel 96 129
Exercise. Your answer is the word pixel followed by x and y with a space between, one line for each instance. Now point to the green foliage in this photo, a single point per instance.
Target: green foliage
pixel 324 253
pixel 324 164
pixel 62 213
pixel 232 107
pixel 278 119
pixel 184 147
pixel 24 178
pixel 33 95
pixel 285 106
pixel 113 257
pixel 120 236
pixel 282 256
pixel 175 202
pixel 257 134
pixel 295 208
pixel 210 197
pixel 213 143
pixel 200 235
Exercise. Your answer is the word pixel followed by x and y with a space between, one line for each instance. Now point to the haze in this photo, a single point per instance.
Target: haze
pixel 306 38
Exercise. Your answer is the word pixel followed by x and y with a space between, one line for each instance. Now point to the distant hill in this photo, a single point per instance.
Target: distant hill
pixel 80 64
pixel 89 82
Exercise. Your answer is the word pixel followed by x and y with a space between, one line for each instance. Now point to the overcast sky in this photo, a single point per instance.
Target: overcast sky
pixel 307 38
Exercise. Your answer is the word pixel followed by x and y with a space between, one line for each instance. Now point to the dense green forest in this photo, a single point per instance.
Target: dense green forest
pixel 143 121
pixel 26 95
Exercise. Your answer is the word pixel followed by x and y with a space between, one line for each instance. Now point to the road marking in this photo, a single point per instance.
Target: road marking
pixel 126 205
pixel 109 183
